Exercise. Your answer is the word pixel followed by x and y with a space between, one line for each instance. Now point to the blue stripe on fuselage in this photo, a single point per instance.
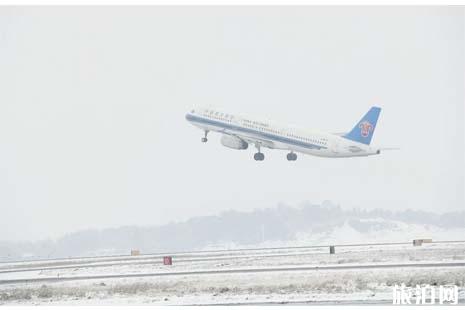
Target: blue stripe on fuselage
pixel 207 121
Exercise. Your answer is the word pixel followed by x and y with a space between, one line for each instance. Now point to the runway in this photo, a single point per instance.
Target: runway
pixel 194 256
pixel 355 274
pixel 230 271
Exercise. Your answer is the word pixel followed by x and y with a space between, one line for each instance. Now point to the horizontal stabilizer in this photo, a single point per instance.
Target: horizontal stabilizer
pixel 389 148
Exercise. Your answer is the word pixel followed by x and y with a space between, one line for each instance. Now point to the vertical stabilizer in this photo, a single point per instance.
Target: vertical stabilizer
pixel 365 128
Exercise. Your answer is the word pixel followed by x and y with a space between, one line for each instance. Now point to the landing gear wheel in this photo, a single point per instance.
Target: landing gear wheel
pixel 291 156
pixel 259 156
pixel 204 139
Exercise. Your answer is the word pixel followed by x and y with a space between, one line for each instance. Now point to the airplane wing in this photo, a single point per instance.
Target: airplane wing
pixel 255 141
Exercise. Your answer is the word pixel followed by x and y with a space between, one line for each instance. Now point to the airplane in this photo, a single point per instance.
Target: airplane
pixel 239 131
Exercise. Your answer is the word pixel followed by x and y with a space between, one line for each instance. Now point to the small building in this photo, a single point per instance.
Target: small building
pixel 419 242
pixel 167 260
pixel 135 252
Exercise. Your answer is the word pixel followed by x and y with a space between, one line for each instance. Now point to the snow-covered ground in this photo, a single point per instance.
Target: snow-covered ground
pixel 316 286
pixel 302 287
pixel 387 231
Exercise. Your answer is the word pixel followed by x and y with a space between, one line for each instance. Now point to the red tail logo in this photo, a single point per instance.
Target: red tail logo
pixel 365 128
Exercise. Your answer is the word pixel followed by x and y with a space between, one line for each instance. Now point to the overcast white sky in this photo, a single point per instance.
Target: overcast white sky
pixel 92 105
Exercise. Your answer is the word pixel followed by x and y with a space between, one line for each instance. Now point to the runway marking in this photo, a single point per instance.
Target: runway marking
pixel 233 271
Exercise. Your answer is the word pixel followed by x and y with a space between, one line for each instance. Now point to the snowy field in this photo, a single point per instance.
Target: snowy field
pixel 365 285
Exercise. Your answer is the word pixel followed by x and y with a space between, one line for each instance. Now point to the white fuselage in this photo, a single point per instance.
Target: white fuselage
pixel 272 136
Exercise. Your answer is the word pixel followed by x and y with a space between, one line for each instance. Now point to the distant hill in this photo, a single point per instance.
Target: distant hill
pixel 282 225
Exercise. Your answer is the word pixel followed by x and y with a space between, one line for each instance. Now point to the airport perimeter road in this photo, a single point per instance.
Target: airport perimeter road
pixel 233 271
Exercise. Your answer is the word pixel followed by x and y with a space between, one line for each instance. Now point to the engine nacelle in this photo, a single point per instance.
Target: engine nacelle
pixel 234 142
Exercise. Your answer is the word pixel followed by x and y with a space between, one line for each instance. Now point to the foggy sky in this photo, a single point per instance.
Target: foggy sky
pixel 93 99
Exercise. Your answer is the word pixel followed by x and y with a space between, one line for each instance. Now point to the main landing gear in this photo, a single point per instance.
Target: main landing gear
pixel 258 156
pixel 291 156
pixel 204 139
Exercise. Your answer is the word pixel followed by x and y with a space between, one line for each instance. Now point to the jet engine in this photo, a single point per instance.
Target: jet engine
pixel 234 142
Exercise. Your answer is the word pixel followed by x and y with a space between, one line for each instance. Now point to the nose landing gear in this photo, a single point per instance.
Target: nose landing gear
pixel 204 139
